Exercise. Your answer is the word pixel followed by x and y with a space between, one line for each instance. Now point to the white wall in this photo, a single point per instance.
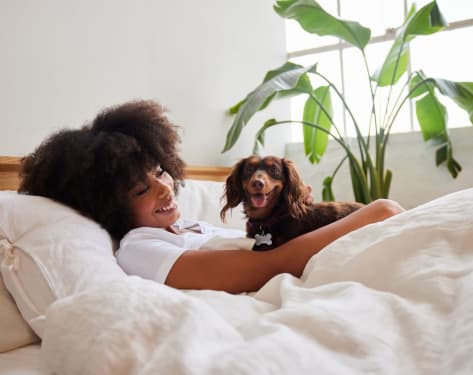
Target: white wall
pixel 62 61
pixel 416 179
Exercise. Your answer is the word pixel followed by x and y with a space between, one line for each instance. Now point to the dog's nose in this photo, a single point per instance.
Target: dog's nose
pixel 257 184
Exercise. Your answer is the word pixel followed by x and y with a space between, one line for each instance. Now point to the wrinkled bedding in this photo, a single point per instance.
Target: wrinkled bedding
pixel 391 298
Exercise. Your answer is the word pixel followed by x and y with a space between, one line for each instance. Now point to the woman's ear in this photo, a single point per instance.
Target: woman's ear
pixel 233 194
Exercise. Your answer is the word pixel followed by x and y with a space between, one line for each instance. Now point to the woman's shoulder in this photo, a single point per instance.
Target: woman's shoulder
pixel 142 235
pixel 143 231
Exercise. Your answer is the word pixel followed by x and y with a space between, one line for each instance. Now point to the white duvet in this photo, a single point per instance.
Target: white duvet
pixel 391 298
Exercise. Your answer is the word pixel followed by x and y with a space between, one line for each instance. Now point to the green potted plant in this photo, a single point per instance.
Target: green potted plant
pixel 370 177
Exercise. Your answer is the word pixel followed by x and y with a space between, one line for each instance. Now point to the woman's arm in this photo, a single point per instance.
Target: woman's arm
pixel 237 271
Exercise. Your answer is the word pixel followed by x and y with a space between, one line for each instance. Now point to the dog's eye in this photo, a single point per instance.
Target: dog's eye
pixel 249 170
pixel 274 171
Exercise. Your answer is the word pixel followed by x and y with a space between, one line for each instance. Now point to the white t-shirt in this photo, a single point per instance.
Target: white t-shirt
pixel 151 252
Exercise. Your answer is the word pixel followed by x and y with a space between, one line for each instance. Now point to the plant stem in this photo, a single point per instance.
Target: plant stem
pixel 396 66
pixel 373 95
pixel 376 183
pixel 394 115
pixel 338 166
pixel 365 155
pixel 424 81
pixel 396 108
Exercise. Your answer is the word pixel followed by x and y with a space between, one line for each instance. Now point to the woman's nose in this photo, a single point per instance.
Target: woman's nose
pixel 161 188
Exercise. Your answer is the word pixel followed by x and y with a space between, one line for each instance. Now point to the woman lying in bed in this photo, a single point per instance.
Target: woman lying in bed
pixel 121 170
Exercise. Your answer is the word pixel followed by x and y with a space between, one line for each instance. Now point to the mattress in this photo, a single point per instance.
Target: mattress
pixel 22 361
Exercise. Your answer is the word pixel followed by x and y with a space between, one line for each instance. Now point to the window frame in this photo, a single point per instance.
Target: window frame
pixel 388 36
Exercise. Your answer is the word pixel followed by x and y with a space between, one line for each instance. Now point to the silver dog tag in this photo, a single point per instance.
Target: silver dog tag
pixel 263 239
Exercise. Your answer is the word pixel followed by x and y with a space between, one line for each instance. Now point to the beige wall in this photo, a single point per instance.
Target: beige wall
pixel 62 61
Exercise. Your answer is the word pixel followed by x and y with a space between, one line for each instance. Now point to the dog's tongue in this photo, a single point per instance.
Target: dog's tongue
pixel 258 200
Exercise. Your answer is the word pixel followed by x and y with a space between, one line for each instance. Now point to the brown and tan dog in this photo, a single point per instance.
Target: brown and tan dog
pixel 275 201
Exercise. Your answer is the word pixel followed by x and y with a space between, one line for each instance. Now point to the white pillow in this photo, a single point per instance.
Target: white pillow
pixel 50 252
pixel 201 200
pixel 15 331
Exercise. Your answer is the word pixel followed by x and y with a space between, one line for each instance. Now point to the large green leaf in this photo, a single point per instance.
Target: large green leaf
pixel 302 85
pixel 263 94
pixel 444 154
pixel 315 140
pixel 394 66
pixel 460 92
pixel 419 84
pixel 432 116
pixel 427 20
pixel 314 19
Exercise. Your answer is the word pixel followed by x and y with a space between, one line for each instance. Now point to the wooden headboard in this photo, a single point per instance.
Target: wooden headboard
pixel 10 166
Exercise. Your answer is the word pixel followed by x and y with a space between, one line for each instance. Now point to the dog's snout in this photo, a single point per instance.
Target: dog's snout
pixel 257 183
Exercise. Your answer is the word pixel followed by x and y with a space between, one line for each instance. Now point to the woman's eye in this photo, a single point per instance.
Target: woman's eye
pixel 159 172
pixel 141 191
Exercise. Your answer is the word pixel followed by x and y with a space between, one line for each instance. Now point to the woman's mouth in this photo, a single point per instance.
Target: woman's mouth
pixel 168 208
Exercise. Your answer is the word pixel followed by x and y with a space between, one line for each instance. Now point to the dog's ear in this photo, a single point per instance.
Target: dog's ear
pixel 294 190
pixel 233 194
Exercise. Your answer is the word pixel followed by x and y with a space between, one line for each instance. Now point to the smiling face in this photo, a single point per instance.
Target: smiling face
pixel 262 182
pixel 152 202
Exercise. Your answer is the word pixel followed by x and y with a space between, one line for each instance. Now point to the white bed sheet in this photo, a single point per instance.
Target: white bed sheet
pixel 23 361
pixel 391 298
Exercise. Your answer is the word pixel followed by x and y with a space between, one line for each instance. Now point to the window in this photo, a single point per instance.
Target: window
pixel 443 55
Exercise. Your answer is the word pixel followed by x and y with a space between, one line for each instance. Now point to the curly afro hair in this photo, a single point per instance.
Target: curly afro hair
pixel 92 169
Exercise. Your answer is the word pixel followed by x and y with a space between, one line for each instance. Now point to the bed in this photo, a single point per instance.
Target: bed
pixel 391 298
